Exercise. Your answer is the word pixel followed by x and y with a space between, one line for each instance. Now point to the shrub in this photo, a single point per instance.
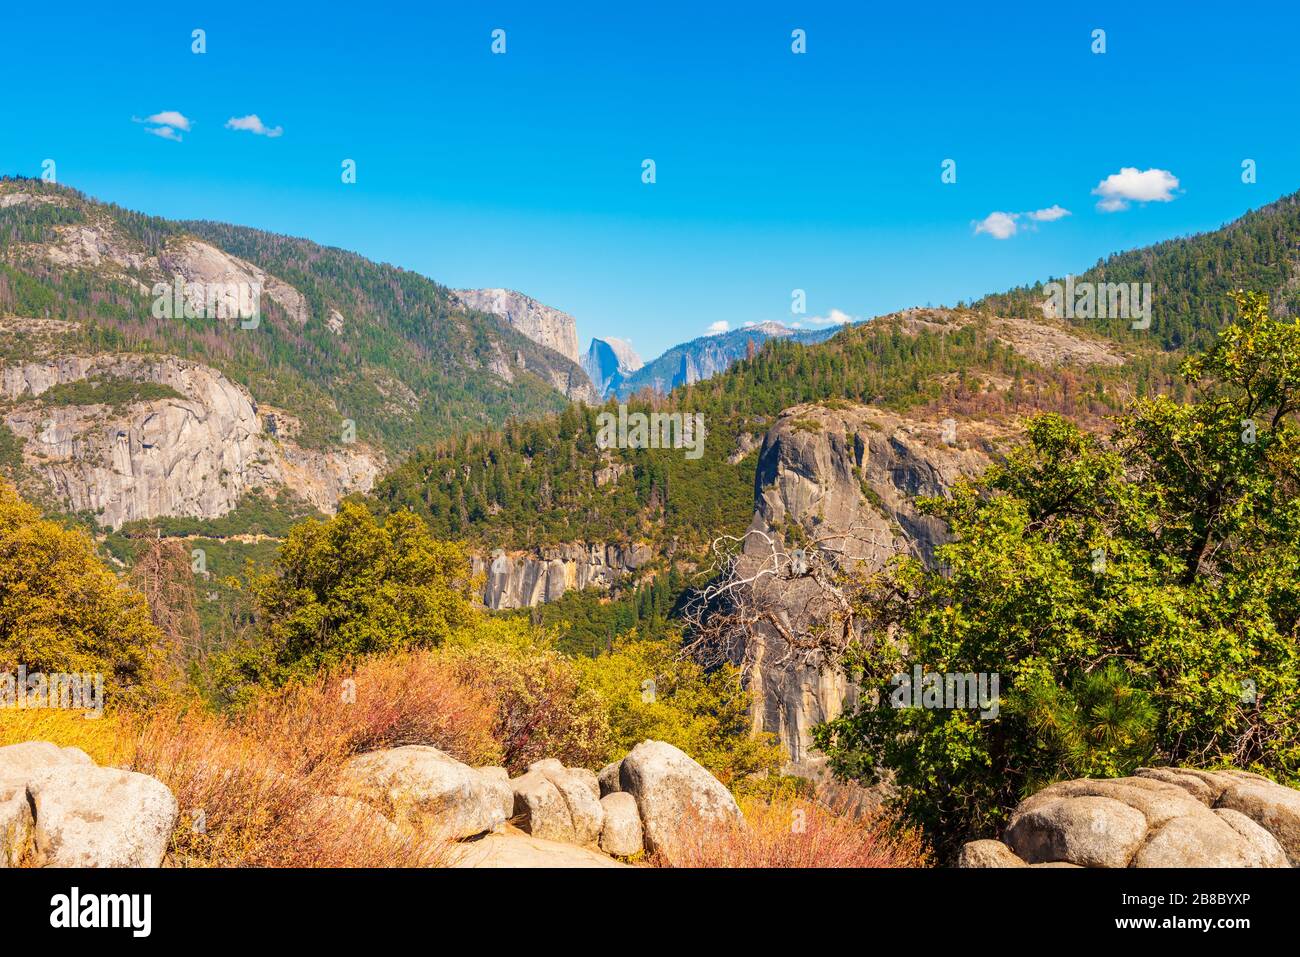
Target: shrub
pixel 797 832
pixel 246 798
pixel 651 689
pixel 382 702
pixel 541 707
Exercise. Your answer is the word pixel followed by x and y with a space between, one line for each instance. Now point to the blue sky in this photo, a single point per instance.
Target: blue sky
pixel 775 171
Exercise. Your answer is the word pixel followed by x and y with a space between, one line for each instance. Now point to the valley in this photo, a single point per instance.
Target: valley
pixel 475 411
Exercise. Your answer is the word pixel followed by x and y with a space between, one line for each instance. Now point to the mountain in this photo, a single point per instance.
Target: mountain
pixel 343 366
pixel 809 440
pixel 544 325
pixel 608 362
pixel 1191 278
pixel 702 358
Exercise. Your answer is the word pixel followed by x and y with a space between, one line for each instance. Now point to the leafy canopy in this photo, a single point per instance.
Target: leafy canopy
pixel 1138 596
pixel 351 586
pixel 62 610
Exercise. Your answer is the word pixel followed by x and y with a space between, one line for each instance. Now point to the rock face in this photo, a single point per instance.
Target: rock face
pixel 1161 817
pixel 673 794
pixel 523 579
pixel 427 788
pixel 544 325
pixel 848 476
pixel 196 455
pixel 59 809
pixel 608 362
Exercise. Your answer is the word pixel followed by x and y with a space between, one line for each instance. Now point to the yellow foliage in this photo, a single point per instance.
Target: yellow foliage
pixel 63 611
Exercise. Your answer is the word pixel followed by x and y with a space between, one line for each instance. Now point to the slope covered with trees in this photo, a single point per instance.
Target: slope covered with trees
pixel 387 348
pixel 1192 278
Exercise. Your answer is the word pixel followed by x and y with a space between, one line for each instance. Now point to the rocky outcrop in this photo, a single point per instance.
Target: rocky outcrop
pixel 558 803
pixel 59 809
pixel 848 477
pixel 427 789
pixel 525 579
pixel 1161 817
pixel 194 455
pixel 513 848
pixel 608 362
pixel 674 795
pixel 544 325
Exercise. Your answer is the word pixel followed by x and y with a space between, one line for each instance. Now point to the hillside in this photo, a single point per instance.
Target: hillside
pixel 340 337
pixel 1191 278
pixel 546 482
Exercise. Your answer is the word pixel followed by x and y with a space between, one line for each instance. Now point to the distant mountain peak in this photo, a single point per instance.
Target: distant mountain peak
pixel 543 324
pixel 768 328
pixel 609 361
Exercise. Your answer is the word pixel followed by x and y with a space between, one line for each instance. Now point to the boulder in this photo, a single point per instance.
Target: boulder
pixel 427 788
pixel 1273 807
pixel 1162 817
pixel 608 776
pixel 15 824
pixel 558 803
pixel 621 833
pixel 497 782
pixel 17 760
pixel 673 794
pixel 539 809
pixel 581 795
pixel 1209 841
pixel 88 816
pixel 987 854
pixel 1088 831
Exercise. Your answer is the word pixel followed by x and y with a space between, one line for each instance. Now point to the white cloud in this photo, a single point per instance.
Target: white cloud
pixel 998 225
pixel 166 132
pixel 720 326
pixel 165 124
pixel 1131 185
pixel 171 118
pixel 252 123
pixel 1049 215
pixel 836 317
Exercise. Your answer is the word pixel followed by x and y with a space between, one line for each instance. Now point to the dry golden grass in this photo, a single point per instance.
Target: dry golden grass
pixel 248 785
pixel 102 738
pixel 796 832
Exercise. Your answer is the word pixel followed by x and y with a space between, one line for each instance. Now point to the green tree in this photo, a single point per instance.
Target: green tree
pixel 351 586
pixel 62 610
pixel 1138 596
